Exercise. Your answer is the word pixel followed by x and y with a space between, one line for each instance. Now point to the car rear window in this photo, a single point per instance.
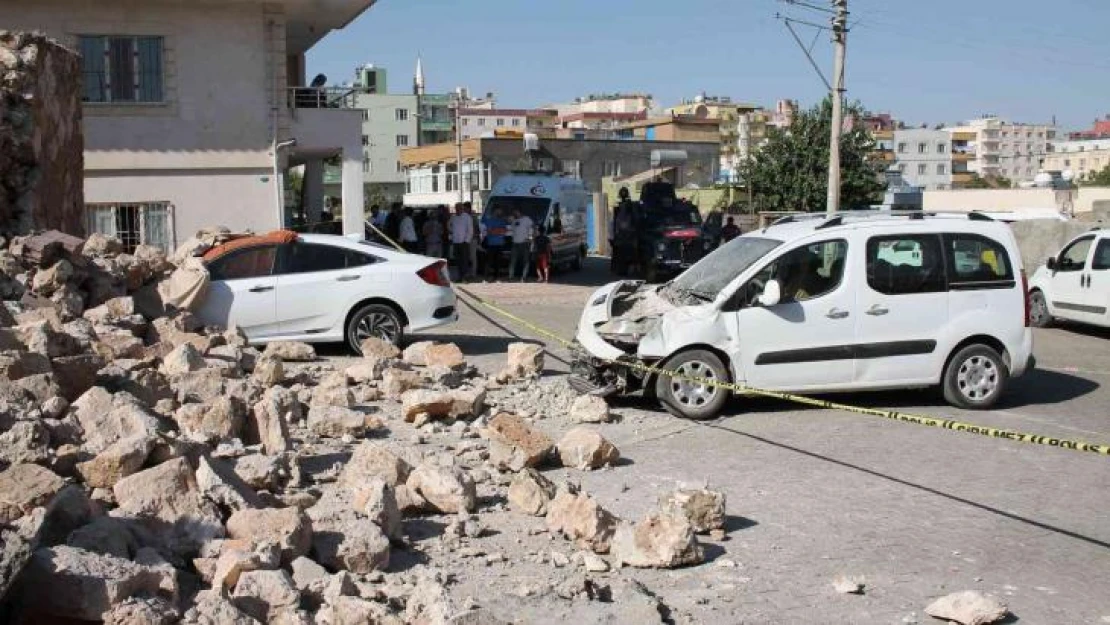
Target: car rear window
pixel 253 262
pixel 975 261
pixel 314 257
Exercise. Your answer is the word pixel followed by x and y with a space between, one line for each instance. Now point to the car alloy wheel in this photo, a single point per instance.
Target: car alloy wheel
pixel 691 393
pixel 975 378
pixel 374 321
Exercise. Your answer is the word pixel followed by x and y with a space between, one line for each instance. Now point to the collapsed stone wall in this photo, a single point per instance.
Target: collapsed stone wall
pixel 41 141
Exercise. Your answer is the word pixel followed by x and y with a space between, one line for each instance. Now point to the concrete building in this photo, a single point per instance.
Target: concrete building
pixel 607 103
pixel 371 79
pixel 209 109
pixel 1082 158
pixel 676 128
pixel 924 157
pixel 477 122
pixel 735 147
pixel 433 179
pixel 597 125
pixel 996 147
pixel 1100 130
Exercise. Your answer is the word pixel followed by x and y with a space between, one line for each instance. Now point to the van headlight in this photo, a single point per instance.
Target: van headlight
pixel 627 328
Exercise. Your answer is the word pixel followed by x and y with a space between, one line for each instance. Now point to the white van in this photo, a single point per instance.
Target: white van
pixel 556 202
pixel 1074 285
pixel 825 304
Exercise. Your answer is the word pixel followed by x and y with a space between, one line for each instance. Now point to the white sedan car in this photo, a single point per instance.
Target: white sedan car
pixel 321 288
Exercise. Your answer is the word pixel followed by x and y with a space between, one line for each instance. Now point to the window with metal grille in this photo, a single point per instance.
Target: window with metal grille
pixel 145 223
pixel 122 68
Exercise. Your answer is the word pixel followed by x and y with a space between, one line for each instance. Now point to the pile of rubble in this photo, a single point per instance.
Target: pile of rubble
pixel 155 471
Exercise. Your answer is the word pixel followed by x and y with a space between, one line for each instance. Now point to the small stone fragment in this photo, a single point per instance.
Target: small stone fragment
pixel 704 508
pixel 590 409
pixel 530 492
pixel 969 607
pixel 580 518
pixel 514 444
pixel 848 585
pixel 584 449
pixel 660 540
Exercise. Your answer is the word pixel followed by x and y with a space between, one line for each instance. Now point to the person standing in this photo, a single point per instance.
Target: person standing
pixel 542 246
pixel 462 234
pixel 433 236
pixel 521 232
pixel 476 228
pixel 393 222
pixel 730 231
pixel 496 229
pixel 408 232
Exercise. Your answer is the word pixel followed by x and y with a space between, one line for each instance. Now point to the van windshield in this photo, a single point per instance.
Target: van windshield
pixel 534 207
pixel 709 275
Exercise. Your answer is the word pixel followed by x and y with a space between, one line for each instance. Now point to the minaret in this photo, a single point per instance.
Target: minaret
pixel 418 79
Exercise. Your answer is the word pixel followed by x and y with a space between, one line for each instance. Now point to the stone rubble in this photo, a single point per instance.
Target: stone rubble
pixel 969 607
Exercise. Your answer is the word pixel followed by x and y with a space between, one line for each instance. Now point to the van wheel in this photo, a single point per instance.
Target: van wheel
pixel 687 398
pixel 1038 310
pixel 975 378
pixel 374 320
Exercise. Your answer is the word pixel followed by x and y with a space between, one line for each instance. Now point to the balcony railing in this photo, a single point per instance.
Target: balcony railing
pixel 321 97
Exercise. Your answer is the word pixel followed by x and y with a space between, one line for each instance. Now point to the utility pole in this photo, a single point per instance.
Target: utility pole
pixel 458 143
pixel 840 40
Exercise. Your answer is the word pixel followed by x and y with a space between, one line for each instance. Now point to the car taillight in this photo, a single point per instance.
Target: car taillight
pixel 435 274
pixel 681 234
pixel 1025 292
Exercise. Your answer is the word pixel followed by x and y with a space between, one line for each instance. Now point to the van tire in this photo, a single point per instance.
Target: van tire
pixel 693 401
pixel 1039 316
pixel 975 378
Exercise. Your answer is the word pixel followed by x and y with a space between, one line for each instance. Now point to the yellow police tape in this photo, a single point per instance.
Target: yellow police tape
pixel 895 415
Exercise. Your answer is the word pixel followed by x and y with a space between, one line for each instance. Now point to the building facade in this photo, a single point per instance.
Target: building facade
pixel 194 113
pixel 731 118
pixel 924 157
pixel 1100 130
pixel 1083 158
pixel 433 179
pixel 995 147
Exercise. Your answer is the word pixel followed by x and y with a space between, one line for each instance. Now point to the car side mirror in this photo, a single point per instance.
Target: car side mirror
pixel 1051 263
pixel 772 293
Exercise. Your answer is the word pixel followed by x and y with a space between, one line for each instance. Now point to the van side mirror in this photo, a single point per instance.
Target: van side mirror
pixel 1051 263
pixel 772 293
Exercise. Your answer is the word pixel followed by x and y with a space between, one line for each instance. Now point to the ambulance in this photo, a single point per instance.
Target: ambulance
pixel 557 202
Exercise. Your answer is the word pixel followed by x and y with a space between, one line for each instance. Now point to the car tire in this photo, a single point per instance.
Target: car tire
pixel 691 400
pixel 379 320
pixel 975 378
pixel 1039 316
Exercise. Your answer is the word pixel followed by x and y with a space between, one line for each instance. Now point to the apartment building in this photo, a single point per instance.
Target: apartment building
pixel 1082 158
pixel 194 110
pixel 923 157
pixel 731 118
pixel 996 147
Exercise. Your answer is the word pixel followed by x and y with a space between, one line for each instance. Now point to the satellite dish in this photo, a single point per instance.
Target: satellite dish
pixel 1068 175
pixel 319 81
pixel 1043 179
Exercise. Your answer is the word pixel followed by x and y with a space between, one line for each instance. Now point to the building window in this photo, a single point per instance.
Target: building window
pixel 921 169
pixel 611 168
pixel 901 168
pixel 365 140
pixel 466 121
pixel 146 223
pixel 400 167
pixel 365 115
pixel 365 164
pixel 481 121
pixel 122 69
pixel 500 121
pixel 402 115
pixel 1067 162
pixel 922 148
pixel 516 122
pixel 402 141
pixel 901 148
pixel 942 147
pixel 572 168
pixel 942 169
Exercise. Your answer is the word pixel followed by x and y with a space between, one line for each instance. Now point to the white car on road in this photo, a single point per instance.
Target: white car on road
pixel 1074 285
pixel 322 288
pixel 816 305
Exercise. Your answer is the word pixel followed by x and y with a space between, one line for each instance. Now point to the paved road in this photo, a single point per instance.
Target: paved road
pixel 919 512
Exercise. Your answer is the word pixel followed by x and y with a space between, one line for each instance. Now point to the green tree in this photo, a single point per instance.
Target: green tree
pixel 988 182
pixel 1097 179
pixel 790 172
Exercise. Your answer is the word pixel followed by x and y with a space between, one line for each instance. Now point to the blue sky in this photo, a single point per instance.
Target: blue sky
pixel 923 60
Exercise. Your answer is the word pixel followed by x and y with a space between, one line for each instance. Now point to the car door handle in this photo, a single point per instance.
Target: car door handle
pixel 261 289
pixel 877 311
pixel 347 278
pixel 836 313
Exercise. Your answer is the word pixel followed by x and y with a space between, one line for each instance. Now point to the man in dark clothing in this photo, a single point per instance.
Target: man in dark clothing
pixel 730 231
pixel 393 222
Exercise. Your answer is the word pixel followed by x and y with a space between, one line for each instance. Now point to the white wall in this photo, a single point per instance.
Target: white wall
pixel 938 153
pixel 237 199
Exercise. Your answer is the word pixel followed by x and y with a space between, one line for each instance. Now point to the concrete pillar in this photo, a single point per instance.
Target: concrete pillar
pixel 313 189
pixel 354 220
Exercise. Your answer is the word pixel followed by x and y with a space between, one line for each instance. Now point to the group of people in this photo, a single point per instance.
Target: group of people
pixel 472 244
